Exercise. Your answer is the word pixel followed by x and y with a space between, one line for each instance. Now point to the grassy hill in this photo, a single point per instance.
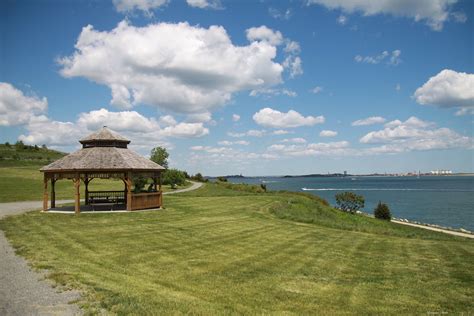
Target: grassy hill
pixel 20 154
pixel 218 250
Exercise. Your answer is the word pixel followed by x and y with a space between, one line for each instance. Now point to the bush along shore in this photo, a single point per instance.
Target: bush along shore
pixel 352 203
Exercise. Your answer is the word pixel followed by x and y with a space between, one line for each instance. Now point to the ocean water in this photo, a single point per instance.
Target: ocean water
pixel 444 200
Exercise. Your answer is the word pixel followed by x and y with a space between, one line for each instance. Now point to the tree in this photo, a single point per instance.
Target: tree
pixel 349 201
pixel 222 179
pixel 198 177
pixel 174 177
pixel 20 145
pixel 382 211
pixel 160 156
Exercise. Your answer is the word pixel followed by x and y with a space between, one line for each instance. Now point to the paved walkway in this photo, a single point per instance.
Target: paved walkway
pixel 26 292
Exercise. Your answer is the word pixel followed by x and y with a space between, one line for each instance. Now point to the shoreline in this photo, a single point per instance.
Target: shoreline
pixel 435 228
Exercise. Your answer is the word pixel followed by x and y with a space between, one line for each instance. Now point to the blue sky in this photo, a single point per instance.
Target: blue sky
pixel 259 88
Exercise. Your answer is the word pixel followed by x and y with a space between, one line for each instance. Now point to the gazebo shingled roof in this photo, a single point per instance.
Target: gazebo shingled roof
pixel 104 154
pixel 104 134
pixel 98 154
pixel 103 158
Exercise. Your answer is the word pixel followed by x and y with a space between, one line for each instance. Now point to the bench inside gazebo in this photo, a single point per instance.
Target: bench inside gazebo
pixel 105 155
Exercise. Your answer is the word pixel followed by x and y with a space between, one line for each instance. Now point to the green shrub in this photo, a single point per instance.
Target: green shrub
pixel 263 186
pixel 174 177
pixel 222 179
pixel 198 177
pixel 349 202
pixel 139 183
pixel 382 211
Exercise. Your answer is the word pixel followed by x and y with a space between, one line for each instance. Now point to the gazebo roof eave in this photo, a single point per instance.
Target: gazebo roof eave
pixel 101 170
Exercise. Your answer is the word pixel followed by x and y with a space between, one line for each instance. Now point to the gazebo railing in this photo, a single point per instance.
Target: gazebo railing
pixel 98 197
pixel 147 200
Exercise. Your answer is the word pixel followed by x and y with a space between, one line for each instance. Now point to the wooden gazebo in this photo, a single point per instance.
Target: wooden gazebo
pixel 105 155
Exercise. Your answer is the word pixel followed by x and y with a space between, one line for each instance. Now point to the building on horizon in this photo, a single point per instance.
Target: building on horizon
pixel 441 172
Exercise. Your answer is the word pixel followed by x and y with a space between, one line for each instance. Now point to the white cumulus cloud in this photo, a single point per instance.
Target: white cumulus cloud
pixel 235 117
pixel 327 133
pixel 263 33
pixel 296 140
pixel 146 132
pixel 199 118
pixel 273 92
pixel 177 67
pixel 42 130
pixel 317 89
pixel 412 135
pixel 281 132
pixel 147 6
pixel 314 149
pixel 369 121
pixel 16 108
pixel 448 89
pixel 252 133
pixel 273 118
pixel 433 12
pixel 205 4
pixel 281 15
pixel 230 143
pixel 392 58
pixel 342 19
pixel 292 63
pixel 125 120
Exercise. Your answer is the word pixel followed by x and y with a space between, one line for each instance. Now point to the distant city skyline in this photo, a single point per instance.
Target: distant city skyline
pixel 252 88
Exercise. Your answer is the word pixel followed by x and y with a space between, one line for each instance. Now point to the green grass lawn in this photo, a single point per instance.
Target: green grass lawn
pixel 22 181
pixel 222 251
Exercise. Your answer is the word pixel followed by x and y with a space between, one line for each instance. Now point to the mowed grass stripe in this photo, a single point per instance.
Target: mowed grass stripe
pixel 230 254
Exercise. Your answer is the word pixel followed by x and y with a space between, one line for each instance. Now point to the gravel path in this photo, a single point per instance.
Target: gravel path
pixel 196 185
pixel 22 290
pixel 26 292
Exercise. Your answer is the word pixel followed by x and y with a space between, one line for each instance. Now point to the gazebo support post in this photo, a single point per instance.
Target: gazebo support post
pixel 45 193
pixel 161 193
pixel 128 181
pixel 86 189
pixel 77 194
pixel 53 193
pixel 160 181
pixel 124 179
